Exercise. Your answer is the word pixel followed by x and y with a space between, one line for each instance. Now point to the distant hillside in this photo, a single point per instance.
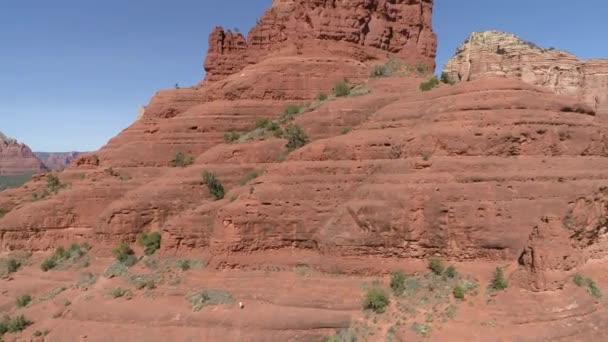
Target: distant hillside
pixel 17 158
pixel 57 160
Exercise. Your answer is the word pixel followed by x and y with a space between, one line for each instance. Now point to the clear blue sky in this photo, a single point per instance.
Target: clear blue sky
pixel 73 73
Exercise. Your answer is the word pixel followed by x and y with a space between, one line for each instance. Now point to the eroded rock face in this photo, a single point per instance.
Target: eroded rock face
pixel 359 29
pixel 502 54
pixel 16 158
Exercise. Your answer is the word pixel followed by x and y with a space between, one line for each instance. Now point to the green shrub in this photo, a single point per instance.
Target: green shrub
pixel 124 254
pixel 23 301
pixel 52 181
pixel 436 266
pixel 3 212
pixel 150 242
pixel 459 291
pixel 499 282
pixel 421 69
pixel 231 137
pixel 445 78
pixel 344 130
pixel 290 112
pixel 451 272
pixel 588 283
pixel 182 160
pixel 12 265
pixel 430 84
pixel 376 300
pixel 341 89
pixel 296 137
pixel 262 123
pixel 13 325
pixel 216 189
pixel 48 264
pixel 398 283
pixel 322 97
pixel 184 265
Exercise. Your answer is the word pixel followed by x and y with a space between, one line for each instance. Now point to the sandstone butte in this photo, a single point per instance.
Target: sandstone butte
pixel 501 54
pixel 16 158
pixel 494 172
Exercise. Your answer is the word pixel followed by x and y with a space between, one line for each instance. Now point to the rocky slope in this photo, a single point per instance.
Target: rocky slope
pixel 502 54
pixel 489 173
pixel 57 160
pixel 16 158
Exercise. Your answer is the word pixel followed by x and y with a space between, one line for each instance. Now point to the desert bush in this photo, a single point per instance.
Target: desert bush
pixel 322 97
pixel 421 69
pixel 296 137
pixel 86 281
pixel 150 242
pixel 451 272
pixel 423 330
pixel 588 283
pixel 230 137
pixel 3 212
pixel 12 265
pixel 62 256
pixel 184 265
pixel 209 298
pixel 23 301
pixel 182 160
pixel 290 112
pixel 430 84
pixel 398 283
pixel 499 282
pixel 250 176
pixel 341 89
pixel 436 266
pixel 119 292
pixel 215 187
pixel 380 71
pixel 124 254
pixel 262 123
pixel 459 291
pixel 343 335
pixel 445 78
pixel 376 299
pixel 13 324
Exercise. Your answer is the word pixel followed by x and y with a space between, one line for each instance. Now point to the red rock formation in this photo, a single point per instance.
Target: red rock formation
pixel 494 54
pixel 16 158
pixel 358 29
pixel 57 160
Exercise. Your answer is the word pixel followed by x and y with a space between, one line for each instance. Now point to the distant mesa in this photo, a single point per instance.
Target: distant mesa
pixel 57 160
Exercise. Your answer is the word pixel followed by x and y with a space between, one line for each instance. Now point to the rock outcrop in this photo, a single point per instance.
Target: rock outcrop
pixel 57 160
pixel 358 29
pixel 502 54
pixel 17 158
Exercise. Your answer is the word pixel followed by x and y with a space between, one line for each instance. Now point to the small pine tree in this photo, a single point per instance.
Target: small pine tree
pixel 499 282
pixel 445 78
pixel 436 266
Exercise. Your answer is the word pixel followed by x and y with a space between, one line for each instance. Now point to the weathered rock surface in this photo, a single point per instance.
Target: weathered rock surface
pixel 358 29
pixel 57 160
pixel 502 54
pixel 17 158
